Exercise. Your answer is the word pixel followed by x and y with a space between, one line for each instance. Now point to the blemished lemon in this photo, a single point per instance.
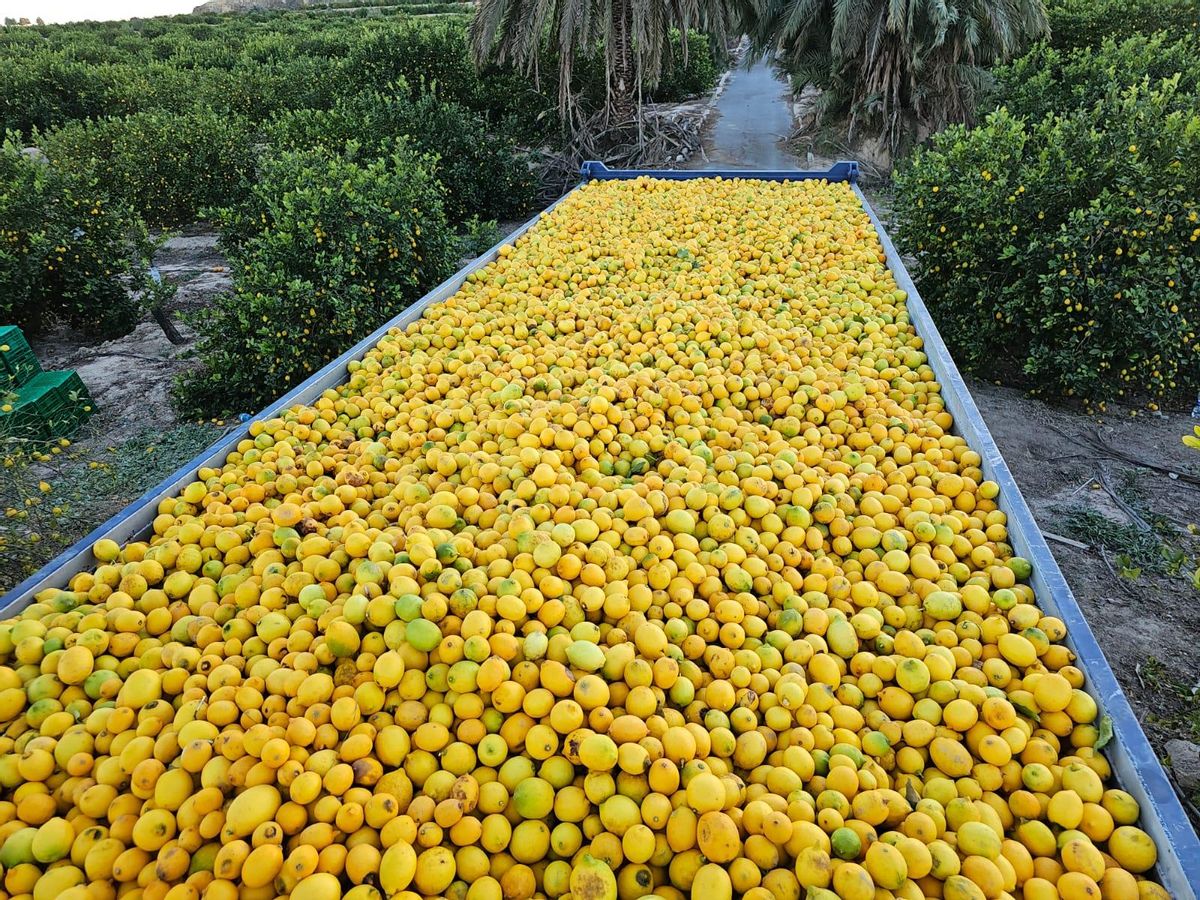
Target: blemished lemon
pixel 647 564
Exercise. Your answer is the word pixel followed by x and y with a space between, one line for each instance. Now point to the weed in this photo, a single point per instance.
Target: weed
pixel 475 237
pixel 1161 548
pixel 1134 551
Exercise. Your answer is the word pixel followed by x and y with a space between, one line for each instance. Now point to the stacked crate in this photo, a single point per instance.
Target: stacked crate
pixel 37 405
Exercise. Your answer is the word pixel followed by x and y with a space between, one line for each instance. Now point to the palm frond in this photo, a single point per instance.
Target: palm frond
pixel 636 35
pixel 903 65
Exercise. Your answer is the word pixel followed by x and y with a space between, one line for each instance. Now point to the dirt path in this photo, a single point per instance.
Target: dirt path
pixel 751 120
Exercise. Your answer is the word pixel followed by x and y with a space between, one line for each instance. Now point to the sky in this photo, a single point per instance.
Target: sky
pixel 78 10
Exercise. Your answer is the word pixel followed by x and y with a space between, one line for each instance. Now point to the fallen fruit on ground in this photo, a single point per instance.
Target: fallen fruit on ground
pixel 646 565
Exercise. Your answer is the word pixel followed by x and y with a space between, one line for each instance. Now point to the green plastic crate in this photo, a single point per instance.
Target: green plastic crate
pixel 66 405
pixel 20 420
pixel 50 405
pixel 17 362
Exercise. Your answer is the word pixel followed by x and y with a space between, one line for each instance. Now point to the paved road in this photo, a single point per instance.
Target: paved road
pixel 753 117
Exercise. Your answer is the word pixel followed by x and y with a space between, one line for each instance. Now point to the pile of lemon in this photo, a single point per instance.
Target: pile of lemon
pixel 647 565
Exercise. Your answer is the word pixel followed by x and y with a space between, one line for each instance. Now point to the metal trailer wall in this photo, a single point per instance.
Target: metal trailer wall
pixel 1134 763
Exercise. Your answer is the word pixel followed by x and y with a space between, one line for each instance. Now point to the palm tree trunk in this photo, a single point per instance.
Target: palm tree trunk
pixel 623 86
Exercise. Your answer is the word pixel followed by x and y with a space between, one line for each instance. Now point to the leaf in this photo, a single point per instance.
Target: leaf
pixel 1106 732
pixel 910 794
pixel 1027 712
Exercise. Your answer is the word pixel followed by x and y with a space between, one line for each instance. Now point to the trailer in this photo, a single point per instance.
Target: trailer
pixel 1133 760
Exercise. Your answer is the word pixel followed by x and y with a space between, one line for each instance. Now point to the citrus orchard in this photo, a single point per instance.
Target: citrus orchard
pixel 645 565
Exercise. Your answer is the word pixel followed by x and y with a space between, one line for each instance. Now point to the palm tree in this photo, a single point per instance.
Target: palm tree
pixel 635 36
pixel 905 65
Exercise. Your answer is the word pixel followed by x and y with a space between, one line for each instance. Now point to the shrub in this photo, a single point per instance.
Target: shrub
pixel 422 55
pixel 483 172
pixel 433 58
pixel 324 250
pixel 1067 250
pixel 252 65
pixel 258 91
pixel 67 251
pixel 679 79
pixel 1048 80
pixel 1087 23
pixel 696 75
pixel 169 167
pixel 45 90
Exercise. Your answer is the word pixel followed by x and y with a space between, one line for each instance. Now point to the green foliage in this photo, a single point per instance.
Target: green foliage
pixel 324 250
pixel 691 75
pixel 682 76
pixel 168 167
pixel 477 236
pixel 67 250
pixel 434 58
pixel 1087 23
pixel 482 172
pixel 1066 250
pixel 253 66
pixel 1048 80
pixel 46 90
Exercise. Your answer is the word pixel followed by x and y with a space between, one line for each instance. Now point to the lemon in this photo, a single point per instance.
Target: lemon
pixel 647 563
pixel 106 550
pixel 944 606
pixel 423 635
pixel 846 843
pixel 1132 848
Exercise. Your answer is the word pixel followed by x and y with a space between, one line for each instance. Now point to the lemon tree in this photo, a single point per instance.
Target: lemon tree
pixel 168 167
pixel 1064 252
pixel 68 249
pixel 482 172
pixel 324 249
